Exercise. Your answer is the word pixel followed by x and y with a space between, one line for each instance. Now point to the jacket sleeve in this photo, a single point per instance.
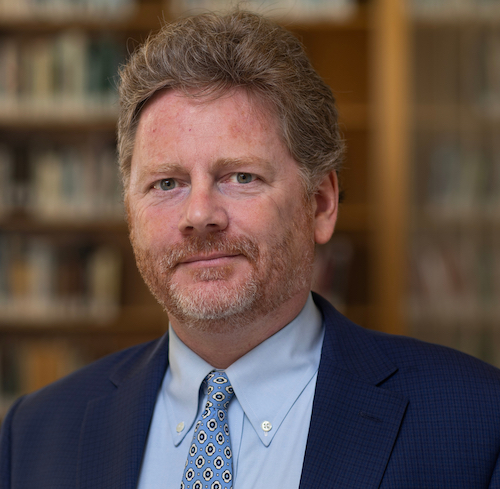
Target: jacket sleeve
pixel 6 447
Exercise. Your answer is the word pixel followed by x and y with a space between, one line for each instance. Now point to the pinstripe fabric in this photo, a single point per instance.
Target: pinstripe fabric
pixel 389 412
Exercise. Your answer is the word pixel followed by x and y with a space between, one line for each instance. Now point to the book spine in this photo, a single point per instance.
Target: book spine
pixel 296 10
pixel 45 283
pixel 65 10
pixel 68 75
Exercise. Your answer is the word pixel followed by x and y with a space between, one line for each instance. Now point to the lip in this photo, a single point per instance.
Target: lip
pixel 213 259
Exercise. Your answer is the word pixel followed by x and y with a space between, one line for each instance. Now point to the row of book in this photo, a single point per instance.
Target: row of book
pixel 457 65
pixel 481 342
pixel 61 183
pixel 46 281
pixel 293 10
pixel 63 10
pixel 458 177
pixel 455 286
pixel 455 245
pixel 456 278
pixel 454 9
pixel 71 71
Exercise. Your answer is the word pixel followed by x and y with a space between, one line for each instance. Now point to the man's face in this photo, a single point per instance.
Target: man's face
pixel 220 224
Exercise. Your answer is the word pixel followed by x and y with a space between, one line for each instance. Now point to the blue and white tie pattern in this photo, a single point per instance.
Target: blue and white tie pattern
pixel 210 461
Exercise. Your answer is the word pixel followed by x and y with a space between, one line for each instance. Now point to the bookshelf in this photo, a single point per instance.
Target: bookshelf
pixel 53 140
pixel 69 289
pixel 455 252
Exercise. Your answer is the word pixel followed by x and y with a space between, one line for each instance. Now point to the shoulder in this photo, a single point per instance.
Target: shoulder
pixel 413 355
pixel 431 375
pixel 441 404
pixel 410 364
pixel 42 430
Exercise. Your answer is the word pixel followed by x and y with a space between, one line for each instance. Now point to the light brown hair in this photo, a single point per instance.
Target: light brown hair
pixel 210 54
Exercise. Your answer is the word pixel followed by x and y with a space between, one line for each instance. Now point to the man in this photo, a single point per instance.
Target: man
pixel 229 151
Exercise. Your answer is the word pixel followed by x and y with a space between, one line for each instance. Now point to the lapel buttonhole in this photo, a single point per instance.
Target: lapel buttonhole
pixel 370 417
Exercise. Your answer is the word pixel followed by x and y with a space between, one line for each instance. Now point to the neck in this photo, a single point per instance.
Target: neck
pixel 221 342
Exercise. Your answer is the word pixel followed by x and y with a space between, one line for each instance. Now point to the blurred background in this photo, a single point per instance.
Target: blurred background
pixel 416 250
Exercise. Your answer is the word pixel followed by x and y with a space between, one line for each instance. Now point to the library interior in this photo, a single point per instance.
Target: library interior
pixel 416 250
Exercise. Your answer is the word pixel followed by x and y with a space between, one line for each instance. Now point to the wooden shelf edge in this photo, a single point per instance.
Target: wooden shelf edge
pixel 131 321
pixel 33 225
pixel 434 223
pixel 56 117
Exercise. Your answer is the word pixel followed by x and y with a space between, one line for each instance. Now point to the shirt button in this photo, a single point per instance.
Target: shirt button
pixel 180 427
pixel 266 426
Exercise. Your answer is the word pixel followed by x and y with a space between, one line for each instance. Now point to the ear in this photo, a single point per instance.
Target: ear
pixel 326 207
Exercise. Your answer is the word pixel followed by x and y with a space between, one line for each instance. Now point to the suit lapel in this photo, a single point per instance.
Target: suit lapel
pixel 115 427
pixel 354 422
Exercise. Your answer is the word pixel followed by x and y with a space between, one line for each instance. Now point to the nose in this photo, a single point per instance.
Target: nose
pixel 203 212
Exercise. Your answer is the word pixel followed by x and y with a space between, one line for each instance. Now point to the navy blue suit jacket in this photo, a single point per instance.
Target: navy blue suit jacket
pixel 389 412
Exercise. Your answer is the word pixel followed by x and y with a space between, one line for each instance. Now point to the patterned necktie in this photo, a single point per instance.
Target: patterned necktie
pixel 210 463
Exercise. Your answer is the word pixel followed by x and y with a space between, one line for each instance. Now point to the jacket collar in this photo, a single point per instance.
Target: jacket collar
pixel 355 421
pixel 115 427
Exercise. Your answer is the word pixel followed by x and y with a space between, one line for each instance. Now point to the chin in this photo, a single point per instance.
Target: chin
pixel 218 300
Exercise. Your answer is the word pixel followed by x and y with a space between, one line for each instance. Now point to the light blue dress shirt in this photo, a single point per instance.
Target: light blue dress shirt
pixel 268 417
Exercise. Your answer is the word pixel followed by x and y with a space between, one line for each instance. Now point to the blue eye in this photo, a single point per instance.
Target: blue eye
pixel 167 184
pixel 244 177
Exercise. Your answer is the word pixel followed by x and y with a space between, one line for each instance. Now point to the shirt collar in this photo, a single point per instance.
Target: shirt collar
pixel 267 380
pixel 181 387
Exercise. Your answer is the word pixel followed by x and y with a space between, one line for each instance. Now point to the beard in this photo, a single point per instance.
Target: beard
pixel 211 302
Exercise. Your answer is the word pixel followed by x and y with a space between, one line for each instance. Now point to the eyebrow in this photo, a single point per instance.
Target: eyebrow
pixel 237 162
pixel 219 164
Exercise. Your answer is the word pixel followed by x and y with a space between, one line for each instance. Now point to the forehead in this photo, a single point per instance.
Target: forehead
pixel 238 107
pixel 174 124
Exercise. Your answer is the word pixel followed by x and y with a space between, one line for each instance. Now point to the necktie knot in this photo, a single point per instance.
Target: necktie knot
pixel 220 391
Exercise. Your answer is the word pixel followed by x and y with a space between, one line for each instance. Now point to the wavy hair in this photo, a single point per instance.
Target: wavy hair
pixel 210 54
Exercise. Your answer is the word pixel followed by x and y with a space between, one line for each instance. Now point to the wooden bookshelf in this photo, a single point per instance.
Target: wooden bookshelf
pixel 455 211
pixel 138 321
pixel 361 57
pixel 59 119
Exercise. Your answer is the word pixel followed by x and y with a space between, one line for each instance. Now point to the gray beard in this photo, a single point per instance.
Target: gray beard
pixel 229 302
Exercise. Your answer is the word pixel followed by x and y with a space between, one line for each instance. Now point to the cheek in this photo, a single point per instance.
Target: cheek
pixel 151 226
pixel 255 219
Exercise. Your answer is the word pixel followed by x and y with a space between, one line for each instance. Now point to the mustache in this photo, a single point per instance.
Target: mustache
pixel 204 245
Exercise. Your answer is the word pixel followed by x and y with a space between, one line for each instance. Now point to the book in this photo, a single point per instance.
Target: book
pixel 79 181
pixel 6 177
pixel 45 282
pixel 67 75
pixel 454 9
pixel 290 10
pixel 66 10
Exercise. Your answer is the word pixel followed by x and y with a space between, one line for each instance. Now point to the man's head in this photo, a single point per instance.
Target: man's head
pixel 223 216
pixel 208 55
